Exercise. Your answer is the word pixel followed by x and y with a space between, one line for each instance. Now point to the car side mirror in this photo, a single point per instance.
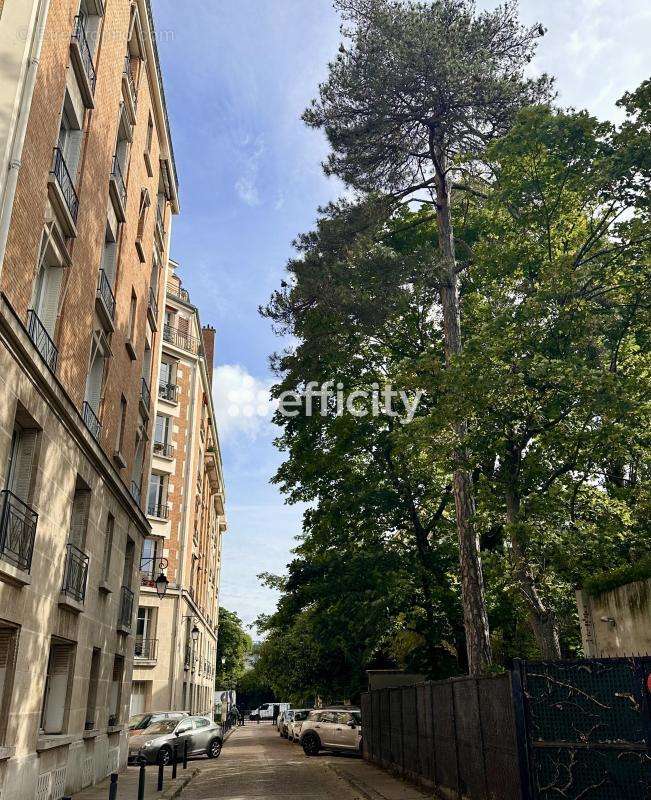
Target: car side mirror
pixel 352 724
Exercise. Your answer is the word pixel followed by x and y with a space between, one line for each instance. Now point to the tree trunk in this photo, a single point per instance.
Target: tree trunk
pixel 541 619
pixel 475 616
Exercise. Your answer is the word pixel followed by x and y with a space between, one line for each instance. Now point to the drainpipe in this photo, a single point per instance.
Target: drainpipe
pixel 20 133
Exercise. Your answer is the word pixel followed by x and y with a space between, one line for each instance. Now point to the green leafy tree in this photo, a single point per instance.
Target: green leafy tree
pixel 233 645
pixel 415 94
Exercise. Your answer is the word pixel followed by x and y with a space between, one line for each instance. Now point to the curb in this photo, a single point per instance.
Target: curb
pixel 366 791
pixel 175 791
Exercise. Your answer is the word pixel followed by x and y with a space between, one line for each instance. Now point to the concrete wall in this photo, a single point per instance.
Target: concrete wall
pixel 616 623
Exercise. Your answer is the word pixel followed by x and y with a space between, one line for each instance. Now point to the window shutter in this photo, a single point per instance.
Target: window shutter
pixel 79 520
pixel 183 326
pixel 25 462
pixel 94 383
pixel 72 152
pixel 48 309
pixel 7 644
pixel 56 688
pixel 108 261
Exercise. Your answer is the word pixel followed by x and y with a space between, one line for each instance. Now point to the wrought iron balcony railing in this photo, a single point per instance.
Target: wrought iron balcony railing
pixel 126 608
pixel 128 71
pixel 118 177
pixel 146 649
pixel 145 393
pixel 79 36
pixel 135 492
pixel 65 183
pixel 158 510
pixel 168 391
pixel 76 573
pixel 153 303
pixel 163 449
pixel 176 291
pixel 90 418
pixel 180 339
pixel 17 531
pixel 42 340
pixel 105 292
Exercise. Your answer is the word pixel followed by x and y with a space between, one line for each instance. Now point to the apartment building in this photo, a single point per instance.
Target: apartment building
pixel 176 636
pixel 89 192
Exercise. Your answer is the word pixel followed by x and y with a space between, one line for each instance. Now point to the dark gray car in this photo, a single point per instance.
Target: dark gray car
pixel 156 744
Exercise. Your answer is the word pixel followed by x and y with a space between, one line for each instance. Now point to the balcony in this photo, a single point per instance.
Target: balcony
pixel 164 450
pixel 152 309
pixel 146 649
pixel 135 493
pixel 180 339
pixel 118 190
pixel 175 291
pixel 82 62
pixel 42 340
pixel 126 610
pixel 168 392
pixel 92 422
pixel 130 90
pixel 17 531
pixel 63 195
pixel 75 575
pixel 158 510
pixel 145 396
pixel 105 301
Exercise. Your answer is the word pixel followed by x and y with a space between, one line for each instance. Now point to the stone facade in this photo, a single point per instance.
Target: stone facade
pixel 174 668
pixel 86 231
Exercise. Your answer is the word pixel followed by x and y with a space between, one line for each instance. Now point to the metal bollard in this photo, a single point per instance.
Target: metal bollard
pixel 141 783
pixel 159 785
pixel 175 758
pixel 185 754
pixel 113 786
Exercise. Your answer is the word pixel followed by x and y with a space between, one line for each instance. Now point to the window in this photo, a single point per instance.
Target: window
pixel 133 308
pixel 47 290
pixel 80 515
pixel 109 255
pixel 162 431
pixel 150 134
pixel 129 553
pixel 115 691
pixel 144 624
pixel 123 423
pixel 143 213
pixel 123 143
pixel 93 681
pixel 167 372
pixel 99 352
pixel 148 558
pixel 157 494
pixel 22 456
pixel 57 686
pixel 90 11
pixel 8 647
pixel 108 547
pixel 70 136
pixel 146 363
pixel 141 440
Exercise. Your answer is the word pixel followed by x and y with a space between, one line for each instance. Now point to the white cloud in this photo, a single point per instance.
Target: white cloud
pixel 243 404
pixel 246 185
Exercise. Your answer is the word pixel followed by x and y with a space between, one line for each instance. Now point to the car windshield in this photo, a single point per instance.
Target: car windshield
pixel 139 721
pixel 164 726
pixel 299 715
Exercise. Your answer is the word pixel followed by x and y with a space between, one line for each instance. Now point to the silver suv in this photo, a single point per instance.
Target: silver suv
pixel 158 743
pixel 332 729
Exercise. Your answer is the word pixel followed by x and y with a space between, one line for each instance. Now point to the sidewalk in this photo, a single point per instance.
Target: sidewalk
pixel 128 784
pixel 373 783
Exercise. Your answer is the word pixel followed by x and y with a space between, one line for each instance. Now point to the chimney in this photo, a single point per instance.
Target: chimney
pixel 208 336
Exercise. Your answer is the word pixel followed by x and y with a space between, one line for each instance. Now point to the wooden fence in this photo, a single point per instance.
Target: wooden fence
pixel 458 736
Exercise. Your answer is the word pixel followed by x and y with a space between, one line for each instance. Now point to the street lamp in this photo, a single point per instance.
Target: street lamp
pixel 161 583
pixel 194 633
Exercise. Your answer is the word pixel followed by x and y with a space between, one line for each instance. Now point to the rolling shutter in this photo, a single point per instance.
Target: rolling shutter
pixel 25 461
pixel 79 519
pixel 56 688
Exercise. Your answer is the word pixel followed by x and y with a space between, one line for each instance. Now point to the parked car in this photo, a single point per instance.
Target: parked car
pixel 138 722
pixel 294 726
pixel 284 721
pixel 332 729
pixel 156 744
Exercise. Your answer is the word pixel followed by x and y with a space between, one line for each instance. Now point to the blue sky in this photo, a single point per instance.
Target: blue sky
pixel 238 74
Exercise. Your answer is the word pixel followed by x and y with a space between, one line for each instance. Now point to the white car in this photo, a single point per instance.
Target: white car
pixel 294 725
pixel 332 729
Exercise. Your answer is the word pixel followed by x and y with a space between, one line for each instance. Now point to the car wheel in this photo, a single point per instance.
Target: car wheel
pixel 214 749
pixel 311 744
pixel 164 756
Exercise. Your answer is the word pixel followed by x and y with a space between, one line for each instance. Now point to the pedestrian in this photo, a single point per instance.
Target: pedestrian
pixel 275 717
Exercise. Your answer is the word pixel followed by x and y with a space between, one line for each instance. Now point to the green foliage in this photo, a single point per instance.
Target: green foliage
pixel 233 644
pixel 613 579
